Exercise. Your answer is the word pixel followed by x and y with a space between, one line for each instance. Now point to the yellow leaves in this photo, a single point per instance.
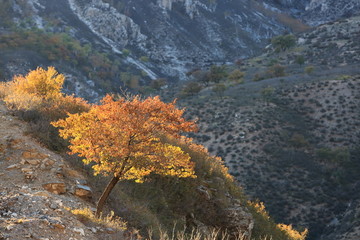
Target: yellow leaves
pixel 292 233
pixel 40 90
pixel 123 137
pixel 39 83
pixel 260 208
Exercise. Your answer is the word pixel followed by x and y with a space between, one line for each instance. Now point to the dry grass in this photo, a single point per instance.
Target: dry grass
pixel 197 234
pixel 85 215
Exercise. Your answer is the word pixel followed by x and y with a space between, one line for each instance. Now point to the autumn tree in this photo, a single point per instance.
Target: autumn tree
pixel 123 138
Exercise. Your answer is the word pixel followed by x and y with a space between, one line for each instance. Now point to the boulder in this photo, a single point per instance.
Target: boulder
pixel 57 188
pixel 83 191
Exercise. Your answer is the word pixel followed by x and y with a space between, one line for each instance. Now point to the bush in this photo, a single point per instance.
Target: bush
pixel 300 59
pixel 309 69
pixel 276 71
pixel 191 89
pixel 236 76
pixel 298 140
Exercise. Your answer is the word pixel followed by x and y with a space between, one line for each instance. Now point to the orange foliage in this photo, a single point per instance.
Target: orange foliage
pixel 123 138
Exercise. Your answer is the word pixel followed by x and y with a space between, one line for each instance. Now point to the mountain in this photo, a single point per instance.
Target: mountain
pixel 138 41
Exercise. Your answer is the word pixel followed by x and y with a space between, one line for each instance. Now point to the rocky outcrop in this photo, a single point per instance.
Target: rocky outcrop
pixel 190 6
pixel 107 22
pixel 178 35
pixel 322 11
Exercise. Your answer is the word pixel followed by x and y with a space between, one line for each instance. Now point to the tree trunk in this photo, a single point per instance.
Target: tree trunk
pixel 105 195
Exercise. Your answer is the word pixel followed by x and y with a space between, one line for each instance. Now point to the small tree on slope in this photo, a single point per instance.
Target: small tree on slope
pixel 123 138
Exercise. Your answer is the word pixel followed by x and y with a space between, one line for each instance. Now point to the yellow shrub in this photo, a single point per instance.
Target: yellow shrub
pixel 41 90
pixel 259 208
pixel 30 91
pixel 46 84
pixel 292 233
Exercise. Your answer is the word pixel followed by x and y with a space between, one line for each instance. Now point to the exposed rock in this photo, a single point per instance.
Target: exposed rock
pixel 83 191
pixel 33 154
pixel 79 231
pixel 204 191
pixel 322 11
pixel 33 162
pixel 57 188
pixel 13 166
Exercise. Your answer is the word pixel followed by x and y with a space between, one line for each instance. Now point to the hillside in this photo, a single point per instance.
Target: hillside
pixel 292 140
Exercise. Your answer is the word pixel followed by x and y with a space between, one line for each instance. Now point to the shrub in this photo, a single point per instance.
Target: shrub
pixel 217 73
pixel 191 89
pixel 298 140
pixel 300 59
pixel 236 76
pixel 292 233
pixel 276 71
pixel 37 98
pixel 309 69
pixel 219 89
pixel 144 58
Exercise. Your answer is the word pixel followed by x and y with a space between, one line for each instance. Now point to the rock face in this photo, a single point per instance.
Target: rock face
pixel 182 34
pixel 322 11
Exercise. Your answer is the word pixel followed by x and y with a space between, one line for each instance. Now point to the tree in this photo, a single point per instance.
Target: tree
pixel 282 43
pixel 217 73
pixel 124 138
pixel 191 88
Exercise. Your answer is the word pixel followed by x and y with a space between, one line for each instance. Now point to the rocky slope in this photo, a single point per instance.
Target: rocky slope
pixel 38 189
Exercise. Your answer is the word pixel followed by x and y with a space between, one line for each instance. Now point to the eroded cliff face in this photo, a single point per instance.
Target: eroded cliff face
pixel 179 35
